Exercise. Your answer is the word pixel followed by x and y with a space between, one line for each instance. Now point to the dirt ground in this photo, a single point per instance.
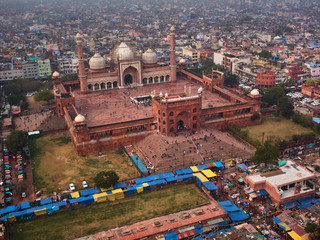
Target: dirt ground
pixel 56 164
pixel 34 106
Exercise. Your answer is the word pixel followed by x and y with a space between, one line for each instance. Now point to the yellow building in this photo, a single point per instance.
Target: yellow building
pixel 194 54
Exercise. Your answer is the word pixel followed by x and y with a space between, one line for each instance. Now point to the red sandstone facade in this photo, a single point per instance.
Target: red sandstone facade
pixel 266 79
pixel 312 91
pixel 188 109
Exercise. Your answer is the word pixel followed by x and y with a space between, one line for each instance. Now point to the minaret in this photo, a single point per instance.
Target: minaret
pixel 81 72
pixel 173 67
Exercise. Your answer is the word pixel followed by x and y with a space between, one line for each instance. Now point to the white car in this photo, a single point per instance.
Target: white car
pixel 84 184
pixel 72 187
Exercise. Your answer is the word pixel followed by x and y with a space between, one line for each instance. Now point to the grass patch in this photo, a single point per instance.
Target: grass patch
pixel 108 215
pixel 276 129
pixel 55 164
pixel 274 173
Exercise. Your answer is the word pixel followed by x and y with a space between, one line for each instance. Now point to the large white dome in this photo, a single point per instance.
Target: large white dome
pixel 79 118
pixel 255 92
pixel 149 57
pixel 124 52
pixel 97 62
pixel 55 74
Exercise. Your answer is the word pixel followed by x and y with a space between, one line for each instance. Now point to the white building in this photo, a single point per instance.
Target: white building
pixel 68 65
pixel 11 74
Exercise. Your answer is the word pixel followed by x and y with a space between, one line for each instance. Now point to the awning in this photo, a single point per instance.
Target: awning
pixel 241 179
pixel 219 164
pixel 208 173
pixel 294 235
pixel 242 166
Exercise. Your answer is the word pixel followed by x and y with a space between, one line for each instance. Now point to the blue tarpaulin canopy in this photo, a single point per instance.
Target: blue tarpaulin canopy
pixel 156 182
pixel 25 205
pixel 139 164
pixel 210 186
pixel 276 220
pixel 242 166
pixel 171 236
pixel 45 201
pixel 261 193
pixel 305 206
pixel 219 164
pixel 238 216
pixel 90 191
pixel 120 185
pixel 202 167
pixel 235 213
pixel 7 209
pixel 291 204
pixel 154 177
pixel 306 200
pixel 184 171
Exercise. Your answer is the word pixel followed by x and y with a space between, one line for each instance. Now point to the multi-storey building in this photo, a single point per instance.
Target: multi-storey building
pixel 68 65
pixel 44 67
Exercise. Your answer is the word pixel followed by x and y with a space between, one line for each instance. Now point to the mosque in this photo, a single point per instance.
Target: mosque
pixel 120 104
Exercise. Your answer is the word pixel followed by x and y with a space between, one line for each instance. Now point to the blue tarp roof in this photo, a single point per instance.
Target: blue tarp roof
pixel 156 182
pixel 242 166
pixel 238 216
pixel 231 208
pixel 184 171
pixel 276 220
pixel 80 199
pixel 291 204
pixel 261 193
pixel 202 167
pixel 8 209
pixel 90 191
pixel 171 236
pixel 172 179
pixel 219 164
pixel 25 205
pixel 210 186
pixel 316 201
pixel 154 177
pixel 306 200
pixel 45 201
pixel 305 206
pixel 120 185
pixel 139 164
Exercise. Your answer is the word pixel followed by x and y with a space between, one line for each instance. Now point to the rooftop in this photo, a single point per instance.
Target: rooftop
pixel 115 105
pixel 292 173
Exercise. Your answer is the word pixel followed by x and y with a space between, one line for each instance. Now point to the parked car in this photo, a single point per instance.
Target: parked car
pixel 84 184
pixel 72 187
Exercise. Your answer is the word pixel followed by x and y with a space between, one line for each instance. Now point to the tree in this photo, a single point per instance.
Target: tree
pixel 44 95
pixel 266 154
pixel 106 179
pixel 24 105
pixel 230 79
pixel 16 141
pixel 313 229
pixel 265 54
pixel 273 95
pixel 285 107
pixel 255 116
pixel 21 187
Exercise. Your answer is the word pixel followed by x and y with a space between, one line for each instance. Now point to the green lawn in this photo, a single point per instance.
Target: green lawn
pixel 108 215
pixel 56 164
pixel 275 128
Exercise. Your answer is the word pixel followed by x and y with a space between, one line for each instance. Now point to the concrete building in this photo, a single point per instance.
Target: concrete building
pixel 11 74
pixel 68 65
pixel 291 183
pixel 30 70
pixel 194 54
pixel 44 67
pixel 266 79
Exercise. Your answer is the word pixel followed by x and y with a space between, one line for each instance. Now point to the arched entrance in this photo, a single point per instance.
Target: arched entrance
pixel 180 125
pixel 130 76
pixel 128 79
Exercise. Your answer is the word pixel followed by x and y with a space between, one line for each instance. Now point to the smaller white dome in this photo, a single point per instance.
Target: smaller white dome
pixel 79 118
pixel 55 74
pixel 172 28
pixel 166 95
pixel 182 61
pixel 200 90
pixel 97 62
pixel 254 92
pixel 149 57
pixel 161 95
